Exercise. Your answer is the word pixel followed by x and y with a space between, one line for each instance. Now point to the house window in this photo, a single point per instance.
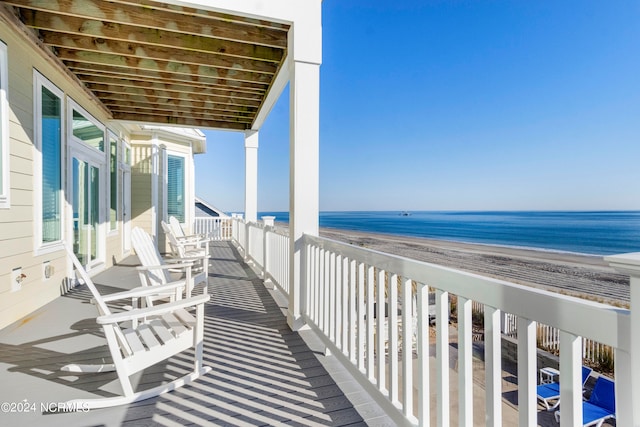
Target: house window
pixel 113 188
pixel 86 131
pixel 176 187
pixel 48 128
pixel 4 128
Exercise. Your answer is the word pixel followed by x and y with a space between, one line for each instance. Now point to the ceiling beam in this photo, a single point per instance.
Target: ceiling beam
pixel 160 16
pixel 102 91
pixel 169 66
pixel 147 85
pixel 148 36
pixel 141 50
pixel 164 77
pixel 178 121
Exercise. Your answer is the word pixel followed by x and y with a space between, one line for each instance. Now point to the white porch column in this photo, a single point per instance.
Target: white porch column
pixel 304 164
pixel 251 176
pixel 627 366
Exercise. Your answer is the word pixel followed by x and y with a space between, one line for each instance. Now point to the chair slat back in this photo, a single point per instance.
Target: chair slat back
pixel 149 256
pixel 604 394
pixel 176 227
pixel 176 247
pixel 102 306
pixel 586 372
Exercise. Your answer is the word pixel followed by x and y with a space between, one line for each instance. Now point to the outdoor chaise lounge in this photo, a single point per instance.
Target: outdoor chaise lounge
pixel 601 404
pixel 548 393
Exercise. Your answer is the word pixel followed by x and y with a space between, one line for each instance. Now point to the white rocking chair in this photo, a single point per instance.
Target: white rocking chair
pixel 184 248
pixel 178 232
pixel 155 270
pixel 143 337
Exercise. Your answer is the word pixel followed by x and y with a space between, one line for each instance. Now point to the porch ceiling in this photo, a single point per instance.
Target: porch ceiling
pixel 159 63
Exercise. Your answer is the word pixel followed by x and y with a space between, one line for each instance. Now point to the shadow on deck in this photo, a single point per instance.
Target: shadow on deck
pixel 263 373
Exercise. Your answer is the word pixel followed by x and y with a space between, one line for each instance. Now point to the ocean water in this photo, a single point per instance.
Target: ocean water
pixel 594 233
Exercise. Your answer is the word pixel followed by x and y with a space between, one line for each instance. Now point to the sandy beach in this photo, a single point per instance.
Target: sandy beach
pixel 571 274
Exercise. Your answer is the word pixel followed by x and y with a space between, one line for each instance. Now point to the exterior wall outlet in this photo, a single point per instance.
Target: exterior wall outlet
pixel 47 269
pixel 16 279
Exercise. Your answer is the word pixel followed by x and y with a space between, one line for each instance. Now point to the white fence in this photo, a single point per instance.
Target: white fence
pixel 347 288
pixel 212 227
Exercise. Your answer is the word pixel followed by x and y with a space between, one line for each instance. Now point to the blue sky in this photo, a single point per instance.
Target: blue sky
pixel 460 105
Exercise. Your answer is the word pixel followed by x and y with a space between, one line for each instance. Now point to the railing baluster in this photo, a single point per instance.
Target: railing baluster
pixel 570 379
pixel 331 296
pixel 442 357
pixel 527 372
pixel 465 363
pixel 380 330
pixel 345 306
pixel 424 401
pixel 361 313
pixel 339 308
pixel 353 317
pixel 326 286
pixel 393 339
pixel 370 301
pixel 407 350
pixel 493 366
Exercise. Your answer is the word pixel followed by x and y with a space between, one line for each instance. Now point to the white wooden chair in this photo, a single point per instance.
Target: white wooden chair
pixel 184 249
pixel 178 232
pixel 155 270
pixel 142 337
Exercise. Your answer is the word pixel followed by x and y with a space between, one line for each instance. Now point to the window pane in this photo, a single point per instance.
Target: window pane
pixel 86 131
pixel 51 180
pixel 113 165
pixel 175 188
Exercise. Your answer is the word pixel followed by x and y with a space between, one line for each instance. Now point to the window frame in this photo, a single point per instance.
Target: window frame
pixel 118 184
pixel 5 185
pixel 186 184
pixel 39 82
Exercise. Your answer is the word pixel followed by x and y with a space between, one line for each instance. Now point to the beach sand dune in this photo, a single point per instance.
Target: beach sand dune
pixel 572 274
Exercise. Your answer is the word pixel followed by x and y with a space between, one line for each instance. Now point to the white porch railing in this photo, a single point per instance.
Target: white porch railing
pixel 548 337
pixel 213 228
pixel 348 288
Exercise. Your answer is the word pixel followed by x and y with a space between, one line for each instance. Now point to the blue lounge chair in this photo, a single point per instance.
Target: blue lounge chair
pixel 550 392
pixel 601 404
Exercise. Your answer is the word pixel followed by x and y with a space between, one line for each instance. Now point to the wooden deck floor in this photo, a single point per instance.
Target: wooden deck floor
pixel 263 373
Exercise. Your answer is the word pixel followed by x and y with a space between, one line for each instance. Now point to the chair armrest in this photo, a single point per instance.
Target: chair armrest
pixel 190 237
pixel 155 310
pixel 178 263
pixel 144 291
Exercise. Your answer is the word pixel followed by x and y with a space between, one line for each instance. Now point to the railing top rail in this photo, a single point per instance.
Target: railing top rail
pixel 599 322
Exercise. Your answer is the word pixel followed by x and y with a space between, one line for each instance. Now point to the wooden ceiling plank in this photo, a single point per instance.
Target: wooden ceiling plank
pixel 117 106
pixel 189 11
pixel 178 121
pixel 139 50
pixel 196 81
pixel 172 95
pixel 161 66
pixel 46 21
pixel 150 85
pixel 184 114
pixel 160 95
pixel 139 100
pixel 155 15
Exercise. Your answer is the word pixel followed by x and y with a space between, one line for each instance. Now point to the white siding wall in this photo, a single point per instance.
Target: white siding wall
pixel 17 223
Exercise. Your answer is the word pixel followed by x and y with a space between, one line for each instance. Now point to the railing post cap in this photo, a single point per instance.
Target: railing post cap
pixel 625 263
pixel 268 220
